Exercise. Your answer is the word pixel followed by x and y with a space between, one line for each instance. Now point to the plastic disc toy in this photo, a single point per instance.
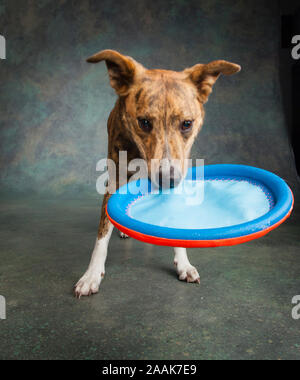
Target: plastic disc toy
pixel 231 205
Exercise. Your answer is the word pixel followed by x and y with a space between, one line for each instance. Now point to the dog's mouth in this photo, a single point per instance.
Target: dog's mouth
pixel 164 180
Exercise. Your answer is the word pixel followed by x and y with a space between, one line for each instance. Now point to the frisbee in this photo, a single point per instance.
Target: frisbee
pixel 230 204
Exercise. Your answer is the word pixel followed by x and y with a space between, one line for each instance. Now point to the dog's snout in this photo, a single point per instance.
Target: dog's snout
pixel 168 177
pixel 172 172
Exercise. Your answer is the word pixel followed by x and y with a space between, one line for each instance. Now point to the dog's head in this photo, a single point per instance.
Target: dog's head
pixel 163 109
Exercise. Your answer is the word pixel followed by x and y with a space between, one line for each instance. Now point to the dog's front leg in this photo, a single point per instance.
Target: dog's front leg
pixel 90 281
pixel 186 272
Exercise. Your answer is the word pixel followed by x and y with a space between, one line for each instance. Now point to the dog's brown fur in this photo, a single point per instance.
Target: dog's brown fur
pixel 166 98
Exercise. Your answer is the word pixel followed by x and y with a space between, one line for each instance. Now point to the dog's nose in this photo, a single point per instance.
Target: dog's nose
pixel 168 177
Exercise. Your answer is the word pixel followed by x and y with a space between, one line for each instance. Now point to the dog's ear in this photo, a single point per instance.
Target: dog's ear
pixel 204 76
pixel 121 69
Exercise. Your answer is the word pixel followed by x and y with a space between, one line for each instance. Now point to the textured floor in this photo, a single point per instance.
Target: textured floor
pixel 241 310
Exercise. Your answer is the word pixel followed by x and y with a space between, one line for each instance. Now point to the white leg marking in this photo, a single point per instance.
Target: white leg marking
pixel 90 281
pixel 185 270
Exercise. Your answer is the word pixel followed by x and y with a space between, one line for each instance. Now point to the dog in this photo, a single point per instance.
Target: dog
pixel 158 115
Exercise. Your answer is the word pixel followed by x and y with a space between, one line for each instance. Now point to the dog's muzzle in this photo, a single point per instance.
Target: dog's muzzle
pixel 168 177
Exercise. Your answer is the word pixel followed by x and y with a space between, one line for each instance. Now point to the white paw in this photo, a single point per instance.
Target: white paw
pixel 188 273
pixel 123 236
pixel 88 284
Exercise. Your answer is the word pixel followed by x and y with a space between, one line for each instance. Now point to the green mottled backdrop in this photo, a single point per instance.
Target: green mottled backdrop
pixel 54 106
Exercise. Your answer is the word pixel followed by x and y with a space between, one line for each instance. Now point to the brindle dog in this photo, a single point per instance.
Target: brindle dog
pixel 158 115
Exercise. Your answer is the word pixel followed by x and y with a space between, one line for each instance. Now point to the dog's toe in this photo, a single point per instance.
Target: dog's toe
pixel 123 236
pixel 189 274
pixel 87 285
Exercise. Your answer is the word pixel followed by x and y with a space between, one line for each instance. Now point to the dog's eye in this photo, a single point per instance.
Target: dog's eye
pixel 186 126
pixel 145 124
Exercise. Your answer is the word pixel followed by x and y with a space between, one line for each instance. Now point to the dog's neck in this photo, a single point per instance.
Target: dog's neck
pixel 119 138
